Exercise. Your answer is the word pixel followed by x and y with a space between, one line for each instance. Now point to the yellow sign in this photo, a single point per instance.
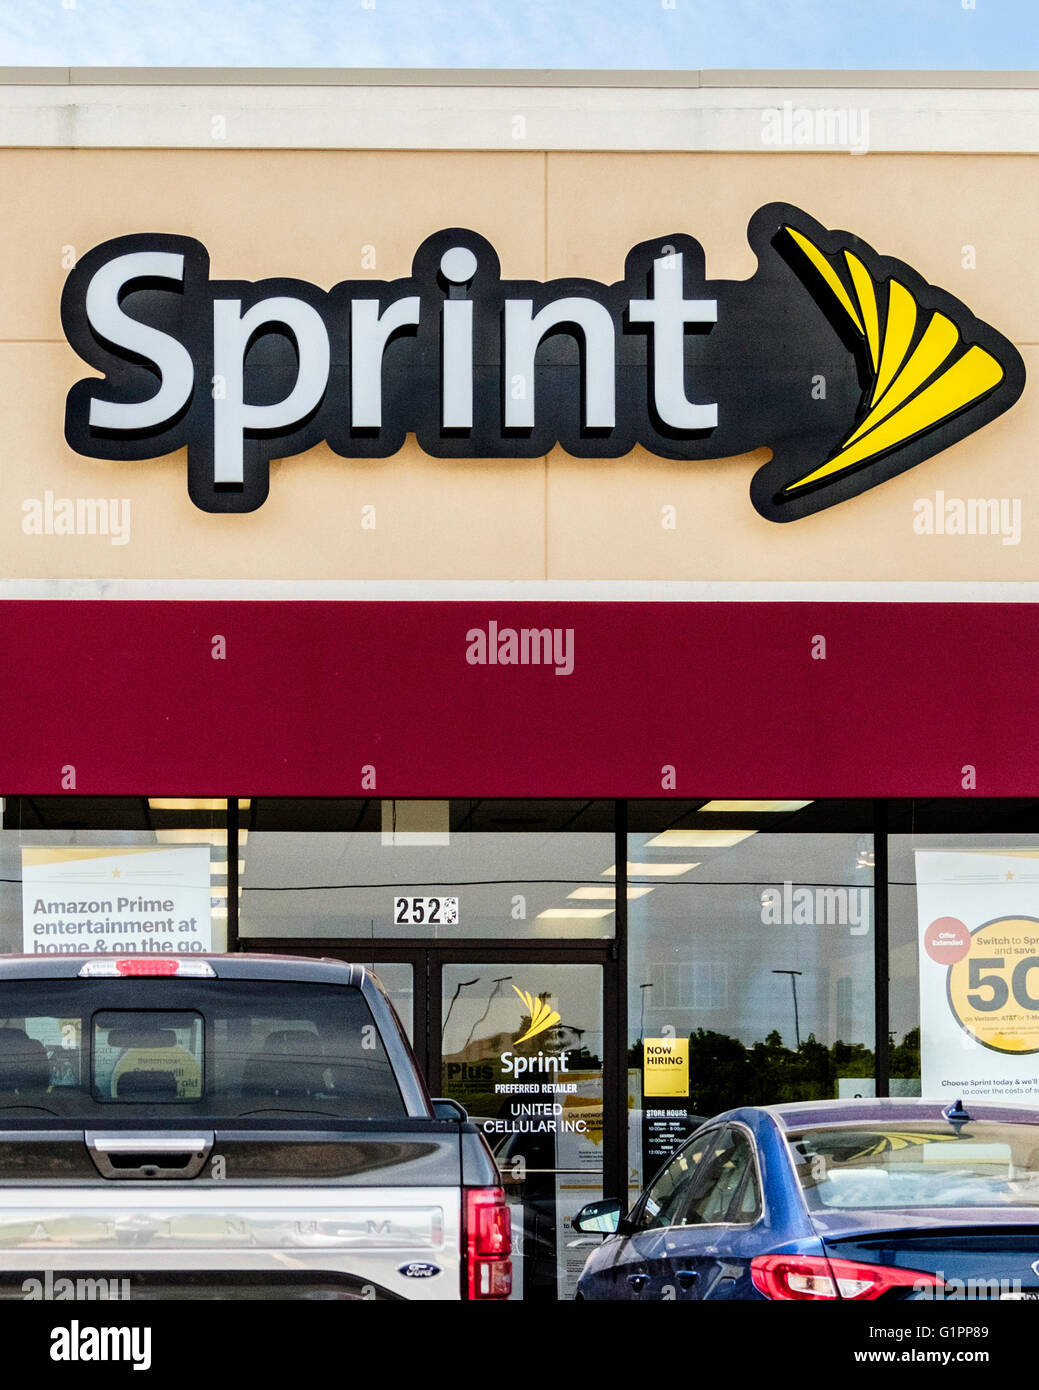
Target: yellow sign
pixel 542 1015
pixel 994 986
pixel 665 1067
pixel 176 1064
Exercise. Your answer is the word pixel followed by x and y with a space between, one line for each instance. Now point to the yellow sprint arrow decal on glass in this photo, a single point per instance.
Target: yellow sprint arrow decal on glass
pixel 542 1017
pixel 921 372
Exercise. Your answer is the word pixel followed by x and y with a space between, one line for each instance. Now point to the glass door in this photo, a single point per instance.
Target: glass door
pixel 521 1046
pixel 516 1036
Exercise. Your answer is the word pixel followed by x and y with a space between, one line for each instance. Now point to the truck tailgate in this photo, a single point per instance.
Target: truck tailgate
pixel 371 1209
pixel 383 1241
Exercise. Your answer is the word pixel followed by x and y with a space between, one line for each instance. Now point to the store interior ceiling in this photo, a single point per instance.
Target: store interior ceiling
pixel 480 814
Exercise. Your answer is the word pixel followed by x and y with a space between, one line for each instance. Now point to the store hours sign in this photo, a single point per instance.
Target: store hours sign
pixel 847 364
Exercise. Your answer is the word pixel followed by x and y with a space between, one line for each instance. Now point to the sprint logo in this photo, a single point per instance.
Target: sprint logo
pixel 847 365
pixel 922 362
pixel 542 1017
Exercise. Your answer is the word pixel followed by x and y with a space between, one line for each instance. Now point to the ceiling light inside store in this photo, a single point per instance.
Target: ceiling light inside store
pixel 416 823
pixel 582 912
pixel 606 892
pixel 650 870
pixel 753 806
pixel 218 868
pixel 179 803
pixel 198 837
pixel 698 839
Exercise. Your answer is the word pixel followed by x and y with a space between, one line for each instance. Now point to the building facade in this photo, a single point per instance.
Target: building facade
pixel 565 540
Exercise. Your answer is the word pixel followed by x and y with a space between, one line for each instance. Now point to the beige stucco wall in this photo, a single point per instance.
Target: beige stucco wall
pixel 309 213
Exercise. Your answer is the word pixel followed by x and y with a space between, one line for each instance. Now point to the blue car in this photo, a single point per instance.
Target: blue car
pixel 832 1200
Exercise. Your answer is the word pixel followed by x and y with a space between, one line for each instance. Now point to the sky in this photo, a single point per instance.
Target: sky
pixel 594 34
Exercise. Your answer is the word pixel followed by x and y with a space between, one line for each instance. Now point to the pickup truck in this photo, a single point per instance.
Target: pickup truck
pixel 237 1126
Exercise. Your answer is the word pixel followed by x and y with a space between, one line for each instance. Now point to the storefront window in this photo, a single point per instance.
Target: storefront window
pixel 501 930
pixel 417 878
pixel 964 953
pixel 120 875
pixel 398 980
pixel 751 974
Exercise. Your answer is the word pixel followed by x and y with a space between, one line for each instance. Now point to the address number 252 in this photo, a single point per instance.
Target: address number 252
pixel 428 911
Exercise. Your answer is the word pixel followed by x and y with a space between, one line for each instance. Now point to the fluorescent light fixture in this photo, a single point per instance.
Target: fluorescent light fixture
pixel 192 837
pixel 605 892
pixel 581 912
pixel 194 803
pixel 651 870
pixel 416 822
pixel 198 837
pixel 698 839
pixel 218 868
pixel 754 806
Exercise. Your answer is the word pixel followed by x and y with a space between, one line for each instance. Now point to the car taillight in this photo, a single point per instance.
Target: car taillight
pixel 488 1243
pixel 816 1277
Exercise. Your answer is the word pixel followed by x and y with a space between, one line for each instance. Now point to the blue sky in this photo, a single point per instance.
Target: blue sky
pixel 522 33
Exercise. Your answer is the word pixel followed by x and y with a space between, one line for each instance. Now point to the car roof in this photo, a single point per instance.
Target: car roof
pixel 807 1114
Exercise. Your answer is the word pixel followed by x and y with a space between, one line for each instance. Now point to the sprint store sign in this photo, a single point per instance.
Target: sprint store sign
pixel 846 363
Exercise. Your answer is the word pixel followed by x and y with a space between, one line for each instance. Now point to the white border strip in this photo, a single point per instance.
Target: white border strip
pixel 515 591
pixel 744 119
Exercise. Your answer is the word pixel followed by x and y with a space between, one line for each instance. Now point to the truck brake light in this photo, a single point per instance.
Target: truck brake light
pixel 488 1243
pixel 110 967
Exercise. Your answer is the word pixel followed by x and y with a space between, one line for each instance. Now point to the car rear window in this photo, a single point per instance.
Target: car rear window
pixel 919 1164
pixel 222 1047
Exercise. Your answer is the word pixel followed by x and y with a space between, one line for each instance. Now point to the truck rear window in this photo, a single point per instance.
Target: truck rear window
pixel 228 1048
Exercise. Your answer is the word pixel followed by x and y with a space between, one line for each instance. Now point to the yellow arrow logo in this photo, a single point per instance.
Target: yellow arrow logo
pixel 929 372
pixel 541 1016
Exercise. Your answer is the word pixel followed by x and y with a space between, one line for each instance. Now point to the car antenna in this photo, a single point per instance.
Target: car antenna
pixel 957 1116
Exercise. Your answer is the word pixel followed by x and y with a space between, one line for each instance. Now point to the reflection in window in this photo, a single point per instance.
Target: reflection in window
pixel 758 948
pixel 539 886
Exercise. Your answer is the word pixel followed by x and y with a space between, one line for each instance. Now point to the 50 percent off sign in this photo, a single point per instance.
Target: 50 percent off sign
pixel 993 983
pixel 978 914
